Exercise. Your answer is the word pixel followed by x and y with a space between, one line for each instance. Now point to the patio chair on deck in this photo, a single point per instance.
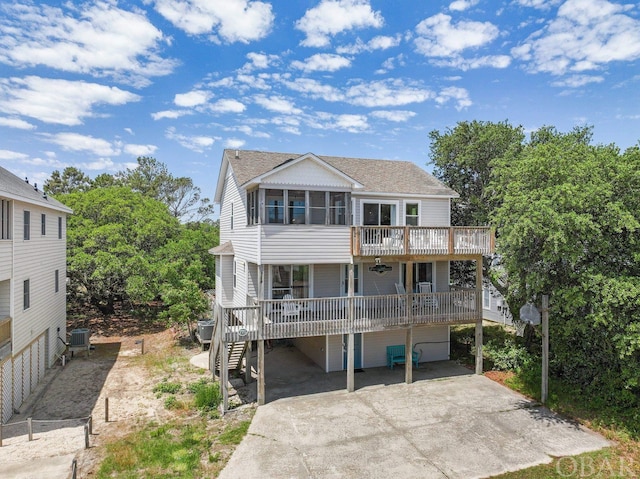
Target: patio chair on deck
pixel 290 309
pixel 428 299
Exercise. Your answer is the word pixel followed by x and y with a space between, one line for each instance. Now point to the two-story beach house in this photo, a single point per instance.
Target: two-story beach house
pixel 347 257
pixel 33 270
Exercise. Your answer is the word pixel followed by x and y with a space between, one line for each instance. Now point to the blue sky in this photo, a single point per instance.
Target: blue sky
pixel 97 84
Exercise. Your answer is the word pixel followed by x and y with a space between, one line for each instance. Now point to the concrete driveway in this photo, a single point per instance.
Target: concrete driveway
pixel 447 424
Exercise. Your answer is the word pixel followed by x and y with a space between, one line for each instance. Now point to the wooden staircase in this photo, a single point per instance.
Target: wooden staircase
pixel 234 354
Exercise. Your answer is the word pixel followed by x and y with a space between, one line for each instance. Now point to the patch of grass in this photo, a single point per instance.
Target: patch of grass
pixel 168 451
pixel 207 395
pixel 166 387
pixel 233 435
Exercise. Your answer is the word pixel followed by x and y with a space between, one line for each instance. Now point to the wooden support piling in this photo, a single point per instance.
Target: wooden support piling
pixel 106 409
pixel 544 394
pixel 30 429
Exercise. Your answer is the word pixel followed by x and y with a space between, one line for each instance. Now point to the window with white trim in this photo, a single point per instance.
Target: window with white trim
pixel 27 225
pixel 26 297
pixel 290 279
pixel 231 219
pixel 59 227
pixel 43 224
pixel 306 207
pixel 56 280
pixel 252 207
pixel 411 214
pixel 5 219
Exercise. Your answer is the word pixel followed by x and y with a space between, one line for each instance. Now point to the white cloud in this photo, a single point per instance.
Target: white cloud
pixel 459 95
pixel 191 99
pixel 576 81
pixel 322 62
pixel 140 150
pixel 16 123
pixel 100 40
pixel 254 82
pixel 345 122
pixel 12 155
pixel 438 37
pixel 232 20
pixel 390 64
pixel 247 130
pixel 228 106
pixel 130 131
pixel 539 4
pixel 172 114
pixel 277 104
pixel 394 115
pixel 585 35
pixel 315 89
pixel 381 42
pixel 234 143
pixel 61 102
pixel 76 142
pixel 461 5
pixel 464 64
pixel 331 17
pixel 386 93
pixel 195 143
pixel 258 61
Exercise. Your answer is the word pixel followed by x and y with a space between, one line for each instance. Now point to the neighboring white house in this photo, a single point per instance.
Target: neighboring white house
pixel 345 256
pixel 33 275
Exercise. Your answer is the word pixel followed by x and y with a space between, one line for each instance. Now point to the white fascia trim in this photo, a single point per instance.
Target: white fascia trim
pixel 403 195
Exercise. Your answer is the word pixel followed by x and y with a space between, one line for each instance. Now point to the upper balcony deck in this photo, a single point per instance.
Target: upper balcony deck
pixel 408 241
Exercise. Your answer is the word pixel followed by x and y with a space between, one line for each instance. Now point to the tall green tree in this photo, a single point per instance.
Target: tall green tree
pixel 114 237
pixel 70 180
pixel 462 158
pixel 569 222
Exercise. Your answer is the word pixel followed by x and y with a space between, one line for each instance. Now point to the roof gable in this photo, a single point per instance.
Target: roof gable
pixel 306 170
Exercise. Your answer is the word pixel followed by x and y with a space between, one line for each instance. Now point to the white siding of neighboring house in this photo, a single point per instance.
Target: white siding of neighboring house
pixel 5 259
pixel 305 244
pixel 252 280
pixel 36 260
pixel 244 238
pixel 5 296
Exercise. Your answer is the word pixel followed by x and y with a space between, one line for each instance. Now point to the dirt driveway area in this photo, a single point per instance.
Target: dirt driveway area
pixel 68 395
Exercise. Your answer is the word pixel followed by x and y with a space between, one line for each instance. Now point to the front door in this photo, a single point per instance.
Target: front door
pixel 357 350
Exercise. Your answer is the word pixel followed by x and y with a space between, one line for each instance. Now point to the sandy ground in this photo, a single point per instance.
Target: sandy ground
pixel 64 400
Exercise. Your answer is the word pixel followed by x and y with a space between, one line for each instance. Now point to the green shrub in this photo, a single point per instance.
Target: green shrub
pixel 166 387
pixel 507 355
pixel 207 395
pixel 171 402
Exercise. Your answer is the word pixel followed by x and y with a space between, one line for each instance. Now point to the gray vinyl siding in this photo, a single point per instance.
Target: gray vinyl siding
pixel 252 280
pixel 435 212
pixel 37 259
pixel 314 348
pixel 305 244
pixel 240 291
pixel 326 280
pixel 376 283
pixel 224 295
pixel 442 276
pixel 335 353
pixel 244 238
pixel 374 345
pixel 432 211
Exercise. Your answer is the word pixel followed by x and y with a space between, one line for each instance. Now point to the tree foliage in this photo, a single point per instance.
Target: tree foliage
pixel 462 158
pixel 568 219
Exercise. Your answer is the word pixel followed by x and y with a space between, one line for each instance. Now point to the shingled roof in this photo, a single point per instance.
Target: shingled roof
pixel 16 188
pixel 377 176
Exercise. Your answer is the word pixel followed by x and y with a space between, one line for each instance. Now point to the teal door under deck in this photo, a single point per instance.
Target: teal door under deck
pixel 357 350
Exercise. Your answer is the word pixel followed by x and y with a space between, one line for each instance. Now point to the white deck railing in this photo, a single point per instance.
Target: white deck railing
pixel 275 319
pixel 420 240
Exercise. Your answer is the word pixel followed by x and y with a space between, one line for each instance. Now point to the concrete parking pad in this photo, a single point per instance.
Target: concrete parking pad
pixel 447 424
